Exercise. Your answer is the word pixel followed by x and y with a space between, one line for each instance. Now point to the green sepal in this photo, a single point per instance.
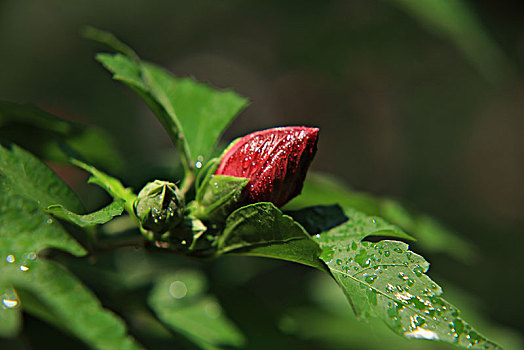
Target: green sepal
pixel 217 197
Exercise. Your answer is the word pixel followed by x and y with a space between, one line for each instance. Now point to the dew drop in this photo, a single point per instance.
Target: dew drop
pixel 10 259
pixel 49 221
pixel 421 333
pixel 418 271
pixel 9 303
pixel 370 279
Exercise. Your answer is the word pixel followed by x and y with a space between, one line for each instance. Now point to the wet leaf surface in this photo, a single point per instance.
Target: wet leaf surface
pixel 387 281
pixel 53 293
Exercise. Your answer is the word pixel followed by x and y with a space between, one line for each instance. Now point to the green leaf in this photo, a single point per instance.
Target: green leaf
pixel 10 316
pixel 24 232
pixel 75 308
pixel 431 235
pixel 203 112
pixel 387 281
pixel 48 132
pixel 109 40
pixel 325 320
pixel 96 218
pixel 360 226
pixel 111 185
pixel 26 229
pixel 218 196
pixel 323 190
pixel 22 174
pixel 179 300
pixel 261 229
pixel 183 106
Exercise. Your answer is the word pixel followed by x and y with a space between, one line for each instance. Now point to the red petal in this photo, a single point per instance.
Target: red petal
pixel 275 160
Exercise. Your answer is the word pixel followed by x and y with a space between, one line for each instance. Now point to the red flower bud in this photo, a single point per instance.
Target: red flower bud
pixel 274 160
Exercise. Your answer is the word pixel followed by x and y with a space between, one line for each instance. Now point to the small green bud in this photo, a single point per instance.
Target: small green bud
pixel 160 206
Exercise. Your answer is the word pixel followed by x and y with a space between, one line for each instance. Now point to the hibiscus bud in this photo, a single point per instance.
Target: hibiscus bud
pixel 159 206
pixel 274 160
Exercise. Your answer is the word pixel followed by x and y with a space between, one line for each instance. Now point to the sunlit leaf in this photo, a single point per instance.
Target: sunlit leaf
pixel 111 185
pixel 327 319
pixel 183 106
pixel 96 218
pixel 261 229
pixel 22 174
pixel 387 281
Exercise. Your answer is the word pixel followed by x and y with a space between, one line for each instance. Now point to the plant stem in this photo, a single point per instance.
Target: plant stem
pixel 186 184
pixel 138 241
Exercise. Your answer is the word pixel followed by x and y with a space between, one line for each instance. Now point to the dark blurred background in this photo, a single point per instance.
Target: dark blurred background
pixel 420 101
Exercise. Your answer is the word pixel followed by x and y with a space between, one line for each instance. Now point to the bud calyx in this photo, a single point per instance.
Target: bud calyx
pixel 160 206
